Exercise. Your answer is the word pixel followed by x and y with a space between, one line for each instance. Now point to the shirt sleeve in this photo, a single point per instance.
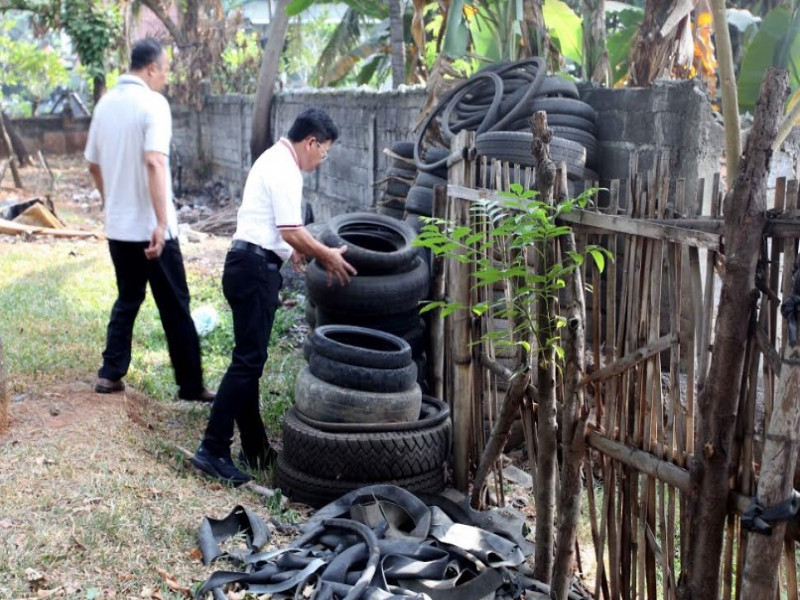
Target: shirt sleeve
pixel 158 126
pixel 91 152
pixel 288 203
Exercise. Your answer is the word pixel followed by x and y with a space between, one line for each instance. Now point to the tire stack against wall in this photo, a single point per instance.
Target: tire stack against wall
pixel 393 279
pixel 399 179
pixel 497 103
pixel 419 201
pixel 360 418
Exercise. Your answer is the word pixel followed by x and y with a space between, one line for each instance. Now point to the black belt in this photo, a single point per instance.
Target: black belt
pixel 271 257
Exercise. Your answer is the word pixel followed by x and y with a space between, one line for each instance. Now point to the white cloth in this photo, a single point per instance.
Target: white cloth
pixel 128 121
pixel 272 200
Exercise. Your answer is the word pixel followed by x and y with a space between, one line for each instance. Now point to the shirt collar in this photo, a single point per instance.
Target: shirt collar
pixel 129 78
pixel 288 144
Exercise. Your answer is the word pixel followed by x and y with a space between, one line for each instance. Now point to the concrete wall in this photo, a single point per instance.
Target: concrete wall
pixel 216 141
pixel 639 124
pixel 672 116
pixel 56 134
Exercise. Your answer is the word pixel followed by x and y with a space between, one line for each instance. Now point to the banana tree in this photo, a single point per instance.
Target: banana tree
pixel 775 44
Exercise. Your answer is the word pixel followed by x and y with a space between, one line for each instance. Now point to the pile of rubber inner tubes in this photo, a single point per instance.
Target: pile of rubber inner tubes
pixel 393 279
pixel 497 103
pixel 360 418
pixel 377 543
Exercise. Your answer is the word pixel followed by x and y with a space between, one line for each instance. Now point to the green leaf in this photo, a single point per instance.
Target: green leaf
pixel 295 7
pixel 480 308
pixel 565 26
pixel 619 42
pixel 776 44
pixel 450 308
pixel 429 306
pixel 599 259
pixel 456 33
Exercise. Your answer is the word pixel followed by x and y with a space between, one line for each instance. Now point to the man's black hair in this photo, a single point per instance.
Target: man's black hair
pixel 145 52
pixel 313 122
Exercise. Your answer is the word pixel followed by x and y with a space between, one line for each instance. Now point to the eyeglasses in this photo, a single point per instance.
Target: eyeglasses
pixel 324 152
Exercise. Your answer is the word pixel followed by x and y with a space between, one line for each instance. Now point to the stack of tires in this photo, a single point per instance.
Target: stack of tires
pixel 360 419
pixel 497 103
pixel 419 200
pixel 399 179
pixel 392 280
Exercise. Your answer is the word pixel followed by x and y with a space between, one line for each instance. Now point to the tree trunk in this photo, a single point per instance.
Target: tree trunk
pixel 500 432
pixel 98 88
pixel 727 78
pixel 261 137
pixel 573 431
pixel 595 55
pixel 717 402
pixel 534 31
pixel 546 467
pixel 762 561
pixel 12 158
pixel 17 145
pixel 654 48
pixel 398 47
pixel 177 34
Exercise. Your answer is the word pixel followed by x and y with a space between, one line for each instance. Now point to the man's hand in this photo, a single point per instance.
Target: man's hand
pixel 337 266
pixel 156 246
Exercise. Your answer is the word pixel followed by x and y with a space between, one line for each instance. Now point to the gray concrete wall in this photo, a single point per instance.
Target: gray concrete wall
pixel 672 116
pixel 215 142
pixel 52 134
pixel 639 124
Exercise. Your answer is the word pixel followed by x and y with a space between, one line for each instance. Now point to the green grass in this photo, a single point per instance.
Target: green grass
pixel 55 300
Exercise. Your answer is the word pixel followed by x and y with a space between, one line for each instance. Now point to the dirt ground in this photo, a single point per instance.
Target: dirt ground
pixel 94 502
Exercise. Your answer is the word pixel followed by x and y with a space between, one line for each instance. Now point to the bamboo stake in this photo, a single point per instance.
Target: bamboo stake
pixel 574 420
pixel 459 289
pixel 762 560
pixel 438 348
pixel 546 377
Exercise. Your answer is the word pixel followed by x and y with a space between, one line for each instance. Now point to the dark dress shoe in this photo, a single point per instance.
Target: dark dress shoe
pixel 204 396
pixel 218 467
pixel 108 386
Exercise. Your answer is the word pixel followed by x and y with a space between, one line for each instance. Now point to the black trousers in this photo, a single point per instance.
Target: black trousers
pixel 167 279
pixel 251 284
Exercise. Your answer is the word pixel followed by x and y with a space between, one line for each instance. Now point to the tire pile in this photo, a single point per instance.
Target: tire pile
pixel 399 179
pixel 380 542
pixel 360 418
pixel 393 278
pixel 409 193
pixel 497 103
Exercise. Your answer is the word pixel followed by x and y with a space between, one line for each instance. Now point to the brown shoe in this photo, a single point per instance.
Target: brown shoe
pixel 108 386
pixel 204 396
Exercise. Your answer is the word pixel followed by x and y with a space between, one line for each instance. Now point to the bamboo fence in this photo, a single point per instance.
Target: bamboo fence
pixel 650 330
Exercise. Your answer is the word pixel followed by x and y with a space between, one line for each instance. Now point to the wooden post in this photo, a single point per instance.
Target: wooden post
pixel 745 218
pixel 547 460
pixel 762 560
pixel 12 158
pixel 574 419
pixel 459 284
pixel 438 349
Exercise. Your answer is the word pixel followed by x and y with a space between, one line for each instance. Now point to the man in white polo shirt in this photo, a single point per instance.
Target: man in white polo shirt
pixel 128 154
pixel 269 231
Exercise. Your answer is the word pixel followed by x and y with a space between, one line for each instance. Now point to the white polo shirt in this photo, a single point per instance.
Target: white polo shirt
pixel 271 200
pixel 128 121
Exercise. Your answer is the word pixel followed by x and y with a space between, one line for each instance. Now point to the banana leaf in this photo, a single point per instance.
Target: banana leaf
pixel 776 44
pixel 565 28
